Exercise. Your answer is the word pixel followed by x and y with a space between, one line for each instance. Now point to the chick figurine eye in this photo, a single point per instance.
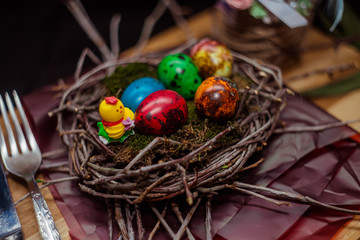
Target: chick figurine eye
pixel 117 121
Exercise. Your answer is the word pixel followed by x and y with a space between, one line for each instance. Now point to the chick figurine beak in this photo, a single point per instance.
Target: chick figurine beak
pixel 117 121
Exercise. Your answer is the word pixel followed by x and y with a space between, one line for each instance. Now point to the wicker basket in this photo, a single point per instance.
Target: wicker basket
pixel 272 42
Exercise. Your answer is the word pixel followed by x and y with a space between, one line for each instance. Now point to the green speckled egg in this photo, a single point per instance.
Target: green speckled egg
pixel 178 73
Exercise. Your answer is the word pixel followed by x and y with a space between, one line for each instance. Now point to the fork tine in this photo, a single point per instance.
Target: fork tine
pixel 4 152
pixel 20 134
pixel 30 136
pixel 13 148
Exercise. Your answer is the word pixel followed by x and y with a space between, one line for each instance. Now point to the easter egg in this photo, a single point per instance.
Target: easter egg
pixel 216 99
pixel 178 73
pixel 212 58
pixel 138 90
pixel 162 112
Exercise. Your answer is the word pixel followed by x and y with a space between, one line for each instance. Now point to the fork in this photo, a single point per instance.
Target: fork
pixel 24 159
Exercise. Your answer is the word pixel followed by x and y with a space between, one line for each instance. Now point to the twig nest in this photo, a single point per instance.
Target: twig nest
pixel 196 154
pixel 162 112
pixel 216 99
pixel 138 90
pixel 178 73
pixel 212 58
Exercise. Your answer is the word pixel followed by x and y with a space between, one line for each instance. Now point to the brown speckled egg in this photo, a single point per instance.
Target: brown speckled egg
pixel 216 99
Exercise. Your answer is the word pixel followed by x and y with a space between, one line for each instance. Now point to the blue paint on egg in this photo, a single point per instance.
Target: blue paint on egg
pixel 138 90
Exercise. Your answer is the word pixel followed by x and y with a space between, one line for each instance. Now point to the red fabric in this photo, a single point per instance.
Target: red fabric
pixel 323 165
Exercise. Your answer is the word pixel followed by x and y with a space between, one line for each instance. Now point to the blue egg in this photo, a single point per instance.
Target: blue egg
pixel 138 90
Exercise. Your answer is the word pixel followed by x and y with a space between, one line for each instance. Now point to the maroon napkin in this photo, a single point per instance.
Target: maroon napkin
pixel 322 165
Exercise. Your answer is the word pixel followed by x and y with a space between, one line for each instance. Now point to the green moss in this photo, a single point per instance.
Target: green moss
pixel 139 141
pixel 198 130
pixel 193 116
pixel 124 75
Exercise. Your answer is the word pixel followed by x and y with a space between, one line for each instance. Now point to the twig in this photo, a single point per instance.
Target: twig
pixel 79 13
pixel 97 140
pixel 176 210
pixel 329 71
pixel 239 188
pixel 48 183
pixel 169 196
pixel 130 228
pixel 249 71
pixel 80 64
pixel 54 153
pixel 244 96
pixel 254 165
pixel 74 131
pixel 109 208
pixel 163 222
pixel 279 203
pixel 157 225
pixel 120 220
pixel 182 171
pixel 141 230
pixel 44 167
pixel 103 170
pixel 86 158
pixel 104 195
pixel 114 34
pixel 68 106
pixel 142 153
pixel 187 220
pixel 314 128
pixel 270 96
pixel 208 218
pixel 294 197
pixel 149 188
pixel 149 26
pixel 180 20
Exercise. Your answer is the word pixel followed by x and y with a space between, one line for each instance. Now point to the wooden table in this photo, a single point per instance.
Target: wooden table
pixel 344 107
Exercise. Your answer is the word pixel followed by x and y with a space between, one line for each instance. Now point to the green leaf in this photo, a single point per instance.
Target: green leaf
pixel 257 10
pixel 337 88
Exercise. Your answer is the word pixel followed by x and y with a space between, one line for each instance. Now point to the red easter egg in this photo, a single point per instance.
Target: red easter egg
pixel 162 112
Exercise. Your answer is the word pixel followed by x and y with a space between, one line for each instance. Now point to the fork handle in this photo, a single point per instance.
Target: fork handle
pixel 45 220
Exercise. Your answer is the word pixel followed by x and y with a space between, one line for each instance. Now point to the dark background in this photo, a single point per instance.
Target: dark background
pixel 41 42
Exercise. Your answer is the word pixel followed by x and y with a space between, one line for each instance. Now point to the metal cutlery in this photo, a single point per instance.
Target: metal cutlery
pixel 24 159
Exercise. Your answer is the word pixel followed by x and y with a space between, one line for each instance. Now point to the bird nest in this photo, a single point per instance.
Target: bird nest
pixel 198 157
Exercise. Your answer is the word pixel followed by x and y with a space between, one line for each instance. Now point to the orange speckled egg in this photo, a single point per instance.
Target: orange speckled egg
pixel 216 99
pixel 212 58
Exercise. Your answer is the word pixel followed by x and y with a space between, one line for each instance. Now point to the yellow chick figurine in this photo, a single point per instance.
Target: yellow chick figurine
pixel 117 121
